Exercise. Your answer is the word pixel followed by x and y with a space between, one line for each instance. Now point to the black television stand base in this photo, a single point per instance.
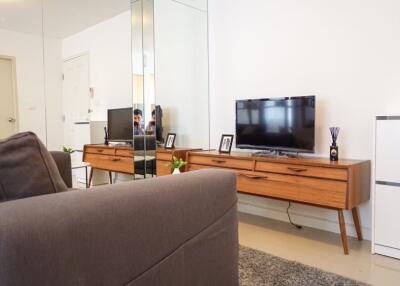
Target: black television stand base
pixel 275 153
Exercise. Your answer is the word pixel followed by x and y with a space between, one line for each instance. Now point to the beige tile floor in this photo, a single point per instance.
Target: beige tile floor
pixel 319 249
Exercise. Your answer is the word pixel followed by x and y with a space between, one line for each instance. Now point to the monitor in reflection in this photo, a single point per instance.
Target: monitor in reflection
pixel 283 124
pixel 120 124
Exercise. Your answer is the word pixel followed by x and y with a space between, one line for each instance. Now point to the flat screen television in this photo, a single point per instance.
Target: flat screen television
pixel 281 124
pixel 120 125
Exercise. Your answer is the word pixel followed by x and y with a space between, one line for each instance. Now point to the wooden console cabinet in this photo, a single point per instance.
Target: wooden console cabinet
pixel 341 185
pixel 120 159
pixel 164 158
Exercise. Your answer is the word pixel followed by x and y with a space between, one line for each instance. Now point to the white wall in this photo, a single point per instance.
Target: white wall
pixel 109 47
pixel 198 4
pixel 347 53
pixel 28 51
pixel 181 65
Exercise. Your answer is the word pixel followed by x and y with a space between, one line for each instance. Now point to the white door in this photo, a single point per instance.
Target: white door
pixel 76 104
pixel 76 98
pixel 76 90
pixel 8 102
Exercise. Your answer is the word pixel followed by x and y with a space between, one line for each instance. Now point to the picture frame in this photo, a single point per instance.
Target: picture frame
pixel 170 141
pixel 226 143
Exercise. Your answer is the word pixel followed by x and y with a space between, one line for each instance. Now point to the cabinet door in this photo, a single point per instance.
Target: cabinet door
pixel 388 151
pixel 387 213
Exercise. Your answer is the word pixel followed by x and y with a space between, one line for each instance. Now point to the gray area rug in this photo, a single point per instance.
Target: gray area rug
pixel 257 268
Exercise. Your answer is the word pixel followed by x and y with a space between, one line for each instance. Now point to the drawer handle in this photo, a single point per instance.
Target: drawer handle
pixel 219 161
pixel 255 177
pixel 116 159
pixel 100 150
pixel 298 170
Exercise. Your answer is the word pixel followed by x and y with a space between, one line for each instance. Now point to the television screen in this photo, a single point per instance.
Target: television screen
pixel 284 124
pixel 120 124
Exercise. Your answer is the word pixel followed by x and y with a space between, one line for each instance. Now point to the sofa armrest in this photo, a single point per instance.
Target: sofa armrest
pixel 175 230
pixel 63 162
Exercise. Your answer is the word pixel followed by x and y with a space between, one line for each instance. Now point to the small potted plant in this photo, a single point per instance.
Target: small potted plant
pixel 68 150
pixel 176 165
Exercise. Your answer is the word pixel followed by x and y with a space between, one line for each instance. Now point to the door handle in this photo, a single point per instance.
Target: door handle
pixel 12 120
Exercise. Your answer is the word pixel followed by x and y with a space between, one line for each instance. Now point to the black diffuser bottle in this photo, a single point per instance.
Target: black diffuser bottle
pixel 105 136
pixel 334 151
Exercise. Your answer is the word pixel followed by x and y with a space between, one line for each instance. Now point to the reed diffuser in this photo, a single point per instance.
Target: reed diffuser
pixel 334 152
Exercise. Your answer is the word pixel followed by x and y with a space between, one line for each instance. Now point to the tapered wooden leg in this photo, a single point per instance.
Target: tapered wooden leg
pixel 90 177
pixel 110 176
pixel 356 219
pixel 343 234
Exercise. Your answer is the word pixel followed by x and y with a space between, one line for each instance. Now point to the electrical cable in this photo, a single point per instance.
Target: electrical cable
pixel 290 220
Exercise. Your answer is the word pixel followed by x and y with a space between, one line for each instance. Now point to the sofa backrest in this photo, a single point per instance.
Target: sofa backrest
pixel 175 230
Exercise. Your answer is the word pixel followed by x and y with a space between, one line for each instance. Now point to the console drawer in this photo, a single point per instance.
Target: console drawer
pixel 163 169
pixel 221 162
pixel 100 150
pixel 302 170
pixel 328 193
pixel 124 153
pixel 164 156
pixel 322 192
pixel 111 163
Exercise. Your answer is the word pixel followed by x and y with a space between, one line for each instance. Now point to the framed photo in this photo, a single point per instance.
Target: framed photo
pixel 170 142
pixel 226 143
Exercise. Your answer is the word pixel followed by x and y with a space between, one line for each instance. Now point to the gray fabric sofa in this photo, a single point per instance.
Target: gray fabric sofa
pixel 177 230
pixel 63 162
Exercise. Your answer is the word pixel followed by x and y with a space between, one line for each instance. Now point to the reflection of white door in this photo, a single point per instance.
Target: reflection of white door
pixel 76 102
pixel 76 98
pixel 8 100
pixel 76 91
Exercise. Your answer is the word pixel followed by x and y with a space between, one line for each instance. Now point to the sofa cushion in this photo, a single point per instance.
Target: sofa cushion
pixel 27 169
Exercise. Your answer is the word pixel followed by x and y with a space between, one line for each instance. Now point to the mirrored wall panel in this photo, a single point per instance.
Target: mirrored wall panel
pixel 145 138
pixel 181 70
pixel 170 70
pixel 88 86
pixel 22 97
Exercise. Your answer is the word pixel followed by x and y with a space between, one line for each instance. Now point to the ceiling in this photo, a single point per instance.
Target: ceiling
pixel 61 18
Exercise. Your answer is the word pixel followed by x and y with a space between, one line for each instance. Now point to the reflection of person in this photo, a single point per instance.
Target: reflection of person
pixel 226 143
pixel 170 142
pixel 151 126
pixel 138 126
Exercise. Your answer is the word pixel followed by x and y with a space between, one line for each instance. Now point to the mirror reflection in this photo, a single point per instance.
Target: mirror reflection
pixel 170 67
pixel 89 44
pixel 121 85
pixel 181 69
pixel 22 98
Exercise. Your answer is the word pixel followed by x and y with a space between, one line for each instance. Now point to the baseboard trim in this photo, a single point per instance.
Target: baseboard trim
pixel 300 218
pixel 387 251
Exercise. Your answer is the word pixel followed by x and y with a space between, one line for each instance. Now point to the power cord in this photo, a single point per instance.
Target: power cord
pixel 290 220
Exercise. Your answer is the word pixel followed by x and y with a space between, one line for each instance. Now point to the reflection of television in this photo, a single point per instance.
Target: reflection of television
pixel 120 125
pixel 285 124
pixel 159 125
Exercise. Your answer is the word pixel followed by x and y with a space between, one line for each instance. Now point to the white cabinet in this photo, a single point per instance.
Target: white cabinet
pixel 386 196
pixel 388 150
